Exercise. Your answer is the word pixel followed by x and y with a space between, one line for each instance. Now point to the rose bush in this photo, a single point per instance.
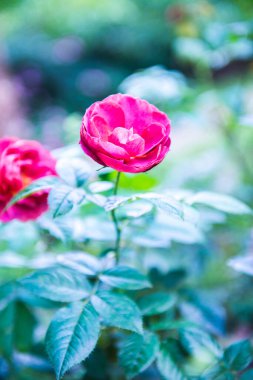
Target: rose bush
pixel 22 162
pixel 125 133
pixel 103 260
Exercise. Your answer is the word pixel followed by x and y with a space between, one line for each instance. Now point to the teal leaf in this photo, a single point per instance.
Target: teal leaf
pixel 167 364
pixel 239 355
pixel 118 310
pixel 217 372
pixel 156 303
pixel 57 284
pixel 194 340
pixel 74 171
pixel 72 336
pixel 220 202
pixel 168 204
pixel 138 352
pixel 125 278
pixel 81 261
pixel 63 198
pixel 101 186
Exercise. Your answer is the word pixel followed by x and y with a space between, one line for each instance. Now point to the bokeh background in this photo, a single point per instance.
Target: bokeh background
pixel 193 59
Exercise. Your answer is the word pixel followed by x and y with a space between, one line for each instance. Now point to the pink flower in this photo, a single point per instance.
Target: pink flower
pixel 21 162
pixel 125 133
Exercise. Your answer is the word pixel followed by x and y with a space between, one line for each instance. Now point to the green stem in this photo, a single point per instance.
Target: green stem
pixel 116 223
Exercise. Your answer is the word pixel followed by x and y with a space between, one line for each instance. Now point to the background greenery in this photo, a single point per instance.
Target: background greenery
pixel 194 61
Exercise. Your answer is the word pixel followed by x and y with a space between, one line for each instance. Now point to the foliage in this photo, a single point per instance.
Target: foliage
pixel 178 304
pixel 150 314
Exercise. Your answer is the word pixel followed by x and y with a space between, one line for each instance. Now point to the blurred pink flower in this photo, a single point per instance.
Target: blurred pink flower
pixel 125 133
pixel 21 162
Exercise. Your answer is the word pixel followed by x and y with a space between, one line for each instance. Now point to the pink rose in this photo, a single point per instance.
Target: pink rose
pixel 125 133
pixel 21 162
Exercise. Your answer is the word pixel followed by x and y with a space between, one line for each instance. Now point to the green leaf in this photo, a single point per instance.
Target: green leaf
pixel 195 340
pixel 57 284
pixel 138 352
pixel 167 364
pixel 44 183
pixel 239 355
pixel 72 336
pixel 125 278
pixel 118 310
pixel 17 325
pixel 63 198
pixel 220 202
pixel 7 321
pixel 156 303
pixel 24 325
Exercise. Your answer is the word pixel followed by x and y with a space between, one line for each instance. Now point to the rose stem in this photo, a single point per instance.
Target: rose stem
pixel 115 221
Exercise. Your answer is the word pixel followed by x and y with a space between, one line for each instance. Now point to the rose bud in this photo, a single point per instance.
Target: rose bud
pixel 22 162
pixel 125 133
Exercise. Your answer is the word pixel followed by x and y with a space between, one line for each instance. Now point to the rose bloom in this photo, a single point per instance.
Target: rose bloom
pixel 22 162
pixel 125 133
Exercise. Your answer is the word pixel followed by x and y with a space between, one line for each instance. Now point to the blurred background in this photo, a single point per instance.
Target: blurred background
pixel 194 60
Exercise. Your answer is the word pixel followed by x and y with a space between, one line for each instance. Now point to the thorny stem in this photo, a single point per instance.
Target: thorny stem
pixel 116 223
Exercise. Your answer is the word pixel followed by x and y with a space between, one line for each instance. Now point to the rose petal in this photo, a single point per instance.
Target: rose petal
pixel 89 152
pixel 95 144
pixel 138 113
pixel 98 127
pixel 5 142
pixel 111 113
pixel 153 135
pixel 131 142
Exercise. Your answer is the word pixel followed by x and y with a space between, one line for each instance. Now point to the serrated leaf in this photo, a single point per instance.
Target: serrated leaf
pixel 167 365
pixel 117 310
pixel 72 336
pixel 57 284
pixel 205 311
pixel 40 184
pixel 138 352
pixel 123 277
pixel 167 203
pixel 220 202
pixel 63 198
pixel 239 355
pixel 194 340
pixel 81 261
pixel 156 303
